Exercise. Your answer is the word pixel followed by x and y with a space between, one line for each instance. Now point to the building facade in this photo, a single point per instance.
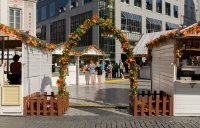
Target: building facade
pixel 20 14
pixel 58 18
pixel 189 12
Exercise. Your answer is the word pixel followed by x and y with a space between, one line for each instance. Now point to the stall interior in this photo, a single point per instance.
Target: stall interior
pixel 10 56
pixel 188 66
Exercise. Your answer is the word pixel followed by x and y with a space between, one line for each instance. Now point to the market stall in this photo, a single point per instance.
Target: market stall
pixel 176 68
pixel 34 67
pixel 79 56
pixel 141 54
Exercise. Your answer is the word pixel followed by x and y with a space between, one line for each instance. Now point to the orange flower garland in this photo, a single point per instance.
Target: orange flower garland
pixel 28 40
pixel 174 34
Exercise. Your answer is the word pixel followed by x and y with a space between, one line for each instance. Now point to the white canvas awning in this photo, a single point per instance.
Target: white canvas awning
pixel 140 48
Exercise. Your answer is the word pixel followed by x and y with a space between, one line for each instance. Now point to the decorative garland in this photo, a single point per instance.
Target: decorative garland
pixel 26 37
pixel 76 36
pixel 174 34
pixel 85 50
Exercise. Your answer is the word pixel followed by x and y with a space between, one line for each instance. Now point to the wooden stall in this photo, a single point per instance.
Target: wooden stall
pixel 36 70
pixel 176 68
pixel 78 55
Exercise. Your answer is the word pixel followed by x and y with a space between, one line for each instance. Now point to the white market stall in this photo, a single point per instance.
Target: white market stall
pixel 75 76
pixel 36 70
pixel 176 68
pixel 141 53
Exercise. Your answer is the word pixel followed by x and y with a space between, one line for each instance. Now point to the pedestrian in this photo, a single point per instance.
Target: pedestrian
pixel 87 75
pixel 99 72
pixel 92 73
pixel 121 68
pixel 16 69
pixel 110 71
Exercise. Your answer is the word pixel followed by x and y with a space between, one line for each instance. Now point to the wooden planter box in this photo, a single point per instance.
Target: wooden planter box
pixel 43 104
pixel 151 104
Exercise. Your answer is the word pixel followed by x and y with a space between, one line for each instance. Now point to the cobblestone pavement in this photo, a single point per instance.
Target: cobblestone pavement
pixel 100 117
pixel 107 121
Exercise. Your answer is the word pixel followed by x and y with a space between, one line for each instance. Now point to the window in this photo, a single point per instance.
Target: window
pixel 138 3
pixel 43 33
pixel 58 31
pixel 149 4
pixel 159 6
pixel 43 13
pixel 125 1
pixel 86 39
pixel 167 9
pixel 175 11
pixel 131 22
pixel 153 25
pixel 74 3
pixel 87 1
pixel 170 26
pixel 15 18
pixel 52 9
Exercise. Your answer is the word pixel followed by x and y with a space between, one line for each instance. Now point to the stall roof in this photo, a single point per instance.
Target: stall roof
pixel 79 51
pixel 140 49
pixel 191 32
pixel 16 35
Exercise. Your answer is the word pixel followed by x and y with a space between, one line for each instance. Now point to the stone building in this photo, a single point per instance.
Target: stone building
pixel 19 14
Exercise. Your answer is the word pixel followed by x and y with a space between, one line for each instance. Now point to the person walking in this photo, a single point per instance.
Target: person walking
pixel 92 72
pixel 110 67
pixel 121 68
pixel 87 75
pixel 99 73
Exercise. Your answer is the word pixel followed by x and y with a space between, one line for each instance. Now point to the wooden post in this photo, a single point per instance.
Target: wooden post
pixel 157 104
pixel 142 106
pixel 52 94
pixel 32 106
pixel 150 105
pixel 59 104
pixel 135 106
pixel 45 104
pixel 38 103
pixel 154 97
pixel 164 106
pixel 171 106
pixel 25 105
pixel 51 106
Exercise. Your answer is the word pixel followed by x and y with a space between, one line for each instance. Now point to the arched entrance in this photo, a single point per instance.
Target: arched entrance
pixel 75 37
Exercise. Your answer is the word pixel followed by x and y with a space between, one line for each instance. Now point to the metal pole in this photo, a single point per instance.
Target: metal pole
pixel 7 61
pixel 77 70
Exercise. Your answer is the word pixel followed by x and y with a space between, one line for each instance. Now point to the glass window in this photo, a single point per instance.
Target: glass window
pixel 159 6
pixel 125 1
pixel 15 18
pixel 52 9
pixel 86 39
pixel 167 9
pixel 153 25
pixel 74 3
pixel 131 22
pixel 138 3
pixel 57 31
pixel 171 26
pixel 149 4
pixel 87 1
pixel 175 11
pixel 43 13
